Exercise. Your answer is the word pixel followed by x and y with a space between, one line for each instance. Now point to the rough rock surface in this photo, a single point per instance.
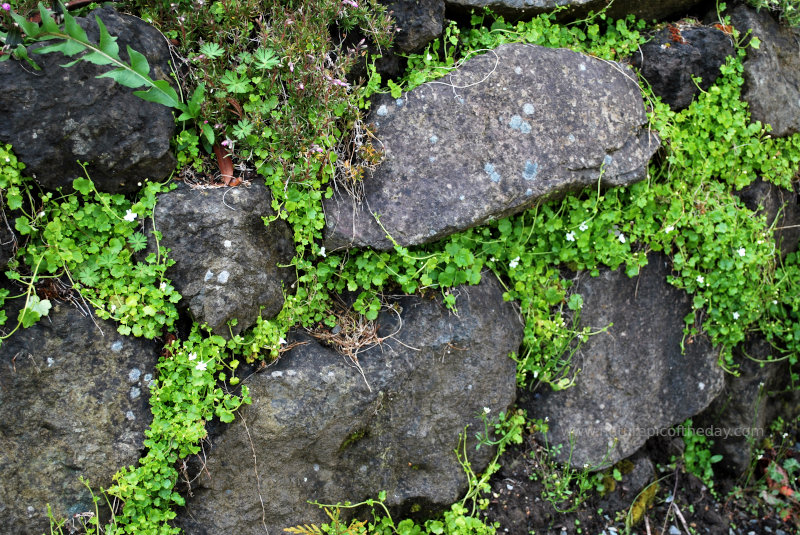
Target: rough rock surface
pixel 633 379
pixel 7 238
pixel 319 432
pixel 637 472
pixel 74 403
pixel 56 116
pixel 771 72
pixel 643 9
pixel 226 260
pixel 506 129
pixel 775 203
pixel 743 409
pixel 419 22
pixel 675 54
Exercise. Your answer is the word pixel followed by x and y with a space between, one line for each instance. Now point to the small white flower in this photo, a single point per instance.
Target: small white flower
pixel 428 57
pixel 492 259
pixel 584 227
pixel 700 279
pixel 113 308
pixel 8 159
pixel 621 238
pixel 487 410
pixel 162 286
pixel 736 315
pixel 741 251
pixel 514 263
pixel 570 236
pixel 774 301
pixel 201 366
pixel 322 252
pixel 192 355
pixel 130 216
pixel 282 341
pixel 669 229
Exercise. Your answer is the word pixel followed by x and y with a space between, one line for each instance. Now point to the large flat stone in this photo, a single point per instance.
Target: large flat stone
pixel 634 380
pixel 74 399
pixel 508 128
pixel 320 429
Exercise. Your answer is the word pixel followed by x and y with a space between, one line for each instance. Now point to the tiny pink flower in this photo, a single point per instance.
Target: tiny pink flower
pixel 6 6
pixel 349 3
pixel 291 66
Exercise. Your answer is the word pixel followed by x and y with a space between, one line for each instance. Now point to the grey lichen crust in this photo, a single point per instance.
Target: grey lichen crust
pixel 506 129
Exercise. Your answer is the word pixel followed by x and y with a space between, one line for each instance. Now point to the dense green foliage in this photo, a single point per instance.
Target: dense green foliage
pixel 267 82
pixel 787 10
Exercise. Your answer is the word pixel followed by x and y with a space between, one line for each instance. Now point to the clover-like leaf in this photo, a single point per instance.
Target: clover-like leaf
pixel 35 309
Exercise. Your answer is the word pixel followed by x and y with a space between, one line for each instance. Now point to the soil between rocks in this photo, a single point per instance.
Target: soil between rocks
pixel 682 504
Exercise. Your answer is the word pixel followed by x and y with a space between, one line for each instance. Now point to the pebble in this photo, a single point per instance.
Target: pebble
pixel 673 530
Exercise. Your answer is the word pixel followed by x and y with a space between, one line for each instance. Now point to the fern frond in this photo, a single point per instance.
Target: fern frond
pixel 73 41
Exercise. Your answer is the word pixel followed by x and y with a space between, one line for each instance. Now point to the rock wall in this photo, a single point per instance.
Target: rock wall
pixel 509 128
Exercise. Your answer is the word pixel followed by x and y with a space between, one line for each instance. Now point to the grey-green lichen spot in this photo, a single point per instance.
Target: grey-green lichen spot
pixel 528 108
pixel 383 111
pixel 516 123
pixel 433 139
pixel 490 170
pixel 530 171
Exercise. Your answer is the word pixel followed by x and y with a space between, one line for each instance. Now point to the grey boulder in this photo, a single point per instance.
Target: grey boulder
pixel 677 53
pixel 55 117
pixel 418 22
pixel 228 263
pixel 771 72
pixel 506 129
pixel 749 402
pixel 634 380
pixel 74 399
pixel 324 427
pixel 781 208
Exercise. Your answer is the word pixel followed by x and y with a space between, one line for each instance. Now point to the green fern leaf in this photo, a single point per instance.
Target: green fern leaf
pixel 125 77
pixel 139 62
pixel 48 23
pixel 109 50
pixel 161 93
pixel 73 29
pixel 31 29
pixel 74 41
